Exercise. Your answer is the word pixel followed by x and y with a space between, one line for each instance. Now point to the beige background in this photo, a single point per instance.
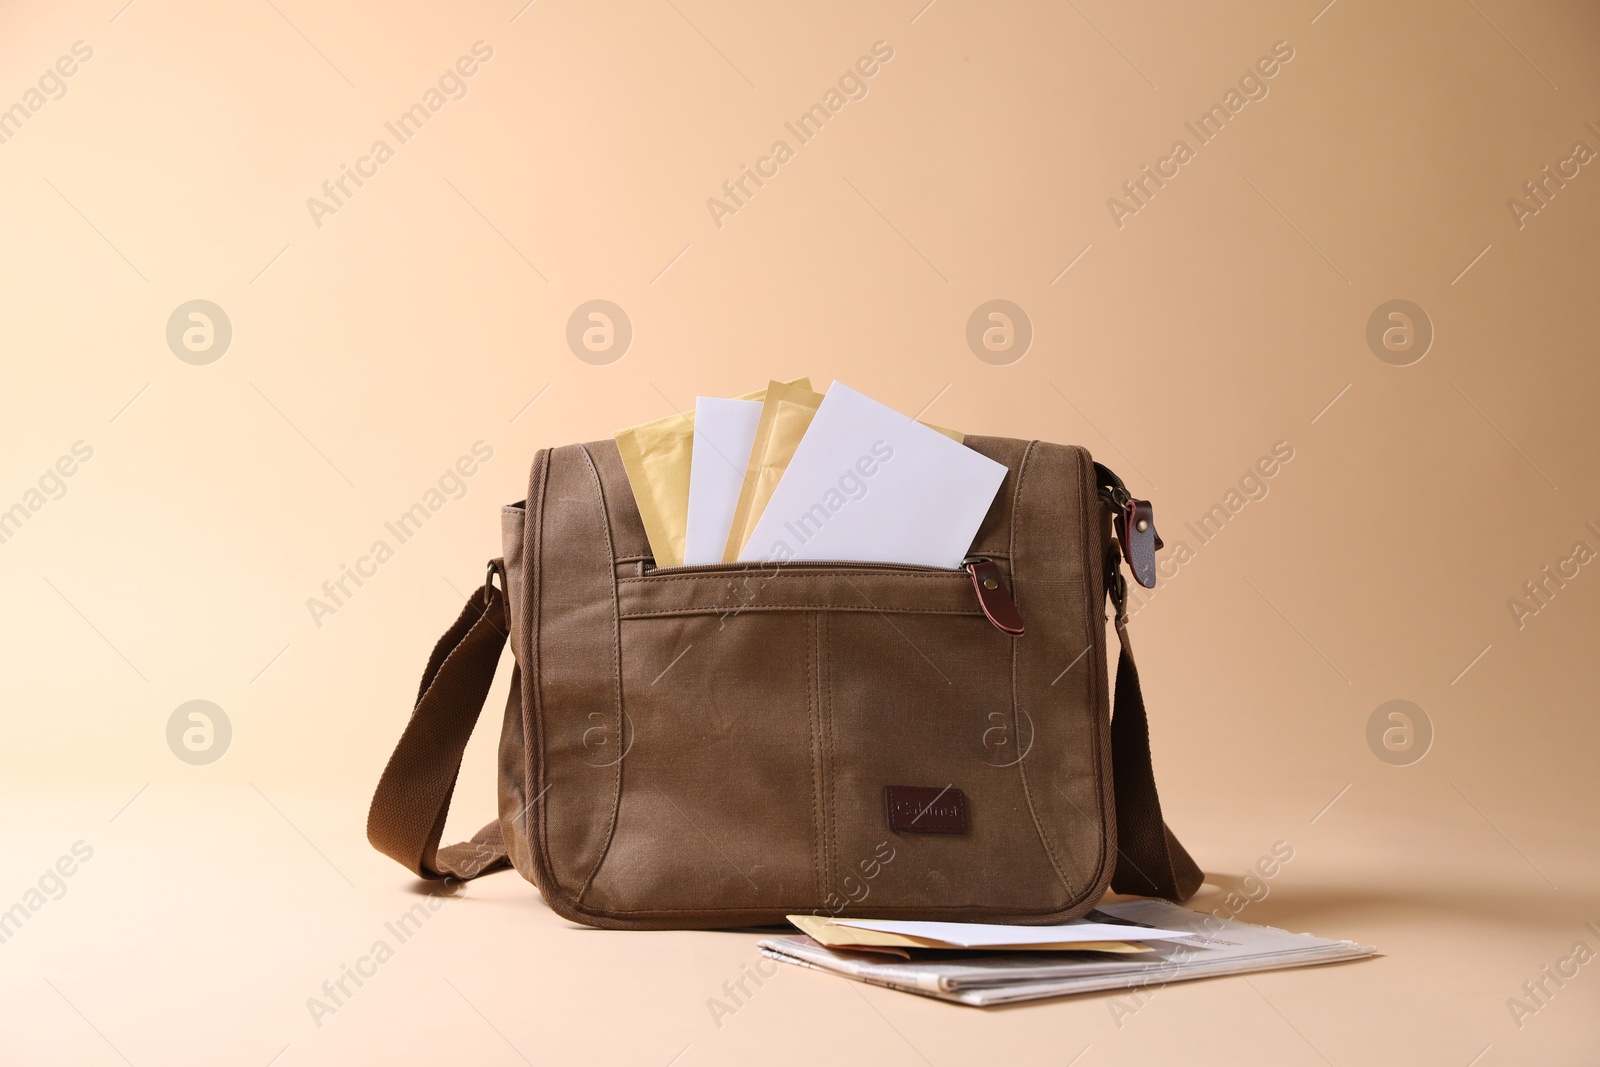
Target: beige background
pixel 1229 313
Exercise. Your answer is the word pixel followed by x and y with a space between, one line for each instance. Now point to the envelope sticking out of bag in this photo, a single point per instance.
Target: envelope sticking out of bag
pixel 872 934
pixel 724 434
pixel 785 416
pixel 868 483
pixel 786 413
pixel 656 456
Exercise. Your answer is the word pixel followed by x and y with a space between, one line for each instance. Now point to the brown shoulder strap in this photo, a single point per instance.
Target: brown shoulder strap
pixel 413 796
pixel 1150 860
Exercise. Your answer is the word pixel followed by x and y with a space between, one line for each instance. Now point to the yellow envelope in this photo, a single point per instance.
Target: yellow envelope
pixel 825 932
pixel 656 456
pixel 785 414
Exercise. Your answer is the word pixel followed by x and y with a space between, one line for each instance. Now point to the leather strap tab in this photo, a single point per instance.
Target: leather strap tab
pixel 1136 530
pixel 995 598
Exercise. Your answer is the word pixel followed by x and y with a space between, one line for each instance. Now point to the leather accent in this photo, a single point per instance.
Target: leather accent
pixel 919 809
pixel 995 598
pixel 1136 530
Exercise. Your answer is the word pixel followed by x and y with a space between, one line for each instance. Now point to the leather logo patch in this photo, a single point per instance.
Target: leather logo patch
pixel 923 809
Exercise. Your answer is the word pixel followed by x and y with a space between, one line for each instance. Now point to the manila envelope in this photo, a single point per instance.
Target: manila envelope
pixel 835 935
pixel 656 456
pixel 785 414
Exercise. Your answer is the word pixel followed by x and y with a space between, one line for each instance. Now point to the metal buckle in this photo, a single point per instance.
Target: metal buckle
pixel 1116 583
pixel 1118 588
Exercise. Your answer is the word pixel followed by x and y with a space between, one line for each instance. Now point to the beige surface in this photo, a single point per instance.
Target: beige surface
pixel 431 312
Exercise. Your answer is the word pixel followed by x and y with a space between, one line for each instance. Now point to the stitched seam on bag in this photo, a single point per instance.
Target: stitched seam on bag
pixel 1094 612
pixel 719 609
pixel 818 826
pixel 1022 773
pixel 816 757
pixel 1089 502
pixel 533 709
pixel 616 676
pixel 803 568
pixel 830 755
pixel 984 909
pixel 939 575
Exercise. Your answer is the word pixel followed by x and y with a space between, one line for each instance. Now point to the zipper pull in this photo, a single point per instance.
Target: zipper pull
pixel 993 596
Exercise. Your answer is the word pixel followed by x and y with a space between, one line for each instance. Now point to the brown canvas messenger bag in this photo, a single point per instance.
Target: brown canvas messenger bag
pixel 719 746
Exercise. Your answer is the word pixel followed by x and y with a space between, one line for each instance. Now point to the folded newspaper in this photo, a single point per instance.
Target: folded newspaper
pixel 1212 946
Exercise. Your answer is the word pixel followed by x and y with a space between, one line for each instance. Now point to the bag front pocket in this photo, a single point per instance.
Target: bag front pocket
pixel 765 710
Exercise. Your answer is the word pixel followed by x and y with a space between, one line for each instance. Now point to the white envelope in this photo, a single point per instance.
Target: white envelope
pixel 868 483
pixel 724 431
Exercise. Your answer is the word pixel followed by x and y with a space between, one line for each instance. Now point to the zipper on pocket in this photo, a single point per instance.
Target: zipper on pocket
pixel 712 568
pixel 988 582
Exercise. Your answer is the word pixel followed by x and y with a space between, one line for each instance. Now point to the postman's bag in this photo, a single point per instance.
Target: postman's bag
pixel 719 746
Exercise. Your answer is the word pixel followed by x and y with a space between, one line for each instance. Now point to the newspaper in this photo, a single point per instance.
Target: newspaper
pixel 1214 946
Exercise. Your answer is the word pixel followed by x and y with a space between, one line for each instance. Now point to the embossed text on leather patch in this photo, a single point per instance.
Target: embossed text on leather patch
pixel 925 809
